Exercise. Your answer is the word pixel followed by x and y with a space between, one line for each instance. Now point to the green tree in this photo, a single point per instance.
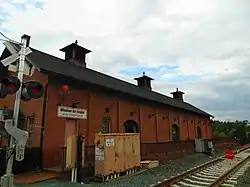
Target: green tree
pixel 216 134
pixel 222 135
pixel 231 133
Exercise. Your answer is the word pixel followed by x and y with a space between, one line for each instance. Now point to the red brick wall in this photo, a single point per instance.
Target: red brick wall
pixel 154 129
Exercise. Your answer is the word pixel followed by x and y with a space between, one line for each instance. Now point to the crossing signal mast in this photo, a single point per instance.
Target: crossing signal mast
pixel 23 91
pixel 30 90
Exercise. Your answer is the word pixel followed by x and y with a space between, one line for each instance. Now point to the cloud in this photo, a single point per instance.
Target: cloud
pixel 200 46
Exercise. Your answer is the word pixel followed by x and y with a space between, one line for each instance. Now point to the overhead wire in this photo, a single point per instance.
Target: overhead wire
pixel 8 39
pixel 5 36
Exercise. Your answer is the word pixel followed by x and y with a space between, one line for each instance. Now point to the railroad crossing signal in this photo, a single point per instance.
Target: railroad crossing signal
pixel 14 57
pixel 30 89
pixel 9 85
pixel 7 129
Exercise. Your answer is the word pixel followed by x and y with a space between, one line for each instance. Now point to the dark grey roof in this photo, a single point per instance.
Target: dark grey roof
pixel 53 64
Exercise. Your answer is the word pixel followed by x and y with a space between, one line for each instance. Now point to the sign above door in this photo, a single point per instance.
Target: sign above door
pixel 69 112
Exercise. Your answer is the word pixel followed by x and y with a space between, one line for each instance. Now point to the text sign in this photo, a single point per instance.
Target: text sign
pixel 110 142
pixel 68 112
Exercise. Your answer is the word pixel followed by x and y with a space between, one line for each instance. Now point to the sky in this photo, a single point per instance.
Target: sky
pixel 200 46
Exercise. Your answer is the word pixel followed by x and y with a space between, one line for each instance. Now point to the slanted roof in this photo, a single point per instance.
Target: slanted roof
pixel 74 45
pixel 56 65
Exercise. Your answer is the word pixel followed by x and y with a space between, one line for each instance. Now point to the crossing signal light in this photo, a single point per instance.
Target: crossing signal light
pixel 32 90
pixel 9 85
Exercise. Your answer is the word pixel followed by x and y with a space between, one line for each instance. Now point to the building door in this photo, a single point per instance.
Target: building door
pixel 71 128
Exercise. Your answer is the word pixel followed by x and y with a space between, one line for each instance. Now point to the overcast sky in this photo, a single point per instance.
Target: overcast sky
pixel 200 46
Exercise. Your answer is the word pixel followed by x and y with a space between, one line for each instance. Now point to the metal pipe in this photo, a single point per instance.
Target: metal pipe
pixel 17 103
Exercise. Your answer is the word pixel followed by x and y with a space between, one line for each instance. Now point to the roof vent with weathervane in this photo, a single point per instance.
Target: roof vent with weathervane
pixel 75 54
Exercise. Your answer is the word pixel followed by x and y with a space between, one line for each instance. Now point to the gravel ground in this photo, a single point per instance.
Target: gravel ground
pixel 163 171
pixel 244 180
pixel 146 178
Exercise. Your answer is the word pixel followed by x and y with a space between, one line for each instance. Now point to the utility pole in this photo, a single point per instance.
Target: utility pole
pixel 24 41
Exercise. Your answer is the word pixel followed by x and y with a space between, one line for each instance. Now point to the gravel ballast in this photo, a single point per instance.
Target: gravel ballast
pixel 244 180
pixel 148 177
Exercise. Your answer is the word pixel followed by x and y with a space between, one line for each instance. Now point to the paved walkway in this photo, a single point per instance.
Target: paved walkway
pixel 54 183
pixel 35 177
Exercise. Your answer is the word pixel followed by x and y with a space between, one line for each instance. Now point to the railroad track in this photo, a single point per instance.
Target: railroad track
pixel 219 172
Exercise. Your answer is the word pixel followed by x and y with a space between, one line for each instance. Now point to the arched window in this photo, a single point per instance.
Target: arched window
pixel 199 132
pixel 131 126
pixel 106 123
pixel 175 133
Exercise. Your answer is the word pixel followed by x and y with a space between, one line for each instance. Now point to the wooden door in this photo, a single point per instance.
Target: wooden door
pixel 70 129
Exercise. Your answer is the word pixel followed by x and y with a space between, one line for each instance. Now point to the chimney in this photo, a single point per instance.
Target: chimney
pixel 144 82
pixel 27 37
pixel 178 95
pixel 75 54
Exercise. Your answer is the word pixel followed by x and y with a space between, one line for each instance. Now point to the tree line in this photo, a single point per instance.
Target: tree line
pixel 237 129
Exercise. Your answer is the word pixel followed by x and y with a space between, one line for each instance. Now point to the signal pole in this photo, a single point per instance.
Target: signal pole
pixel 24 41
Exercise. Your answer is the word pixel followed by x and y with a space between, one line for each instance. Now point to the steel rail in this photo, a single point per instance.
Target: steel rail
pixel 231 171
pixel 175 179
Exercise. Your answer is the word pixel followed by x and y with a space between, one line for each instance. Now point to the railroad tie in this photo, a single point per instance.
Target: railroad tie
pixel 208 177
pixel 202 178
pixel 227 185
pixel 197 182
pixel 189 185
pixel 231 181
pixel 175 185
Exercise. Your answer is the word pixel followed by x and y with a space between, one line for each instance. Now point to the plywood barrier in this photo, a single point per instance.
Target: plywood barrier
pixel 116 153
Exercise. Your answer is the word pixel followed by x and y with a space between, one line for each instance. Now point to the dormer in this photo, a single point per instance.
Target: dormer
pixel 178 95
pixel 75 54
pixel 144 82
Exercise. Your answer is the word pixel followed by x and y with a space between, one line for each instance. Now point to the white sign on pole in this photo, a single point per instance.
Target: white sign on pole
pixel 14 57
pixel 69 112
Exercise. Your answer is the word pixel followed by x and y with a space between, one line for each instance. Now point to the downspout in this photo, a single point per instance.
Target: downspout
pixel 43 124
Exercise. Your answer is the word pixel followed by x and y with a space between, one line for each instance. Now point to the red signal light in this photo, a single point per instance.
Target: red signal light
pixel 35 91
pixel 32 90
pixel 11 83
pixel 11 87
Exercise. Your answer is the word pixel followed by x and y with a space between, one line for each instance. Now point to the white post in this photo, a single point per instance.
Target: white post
pixel 16 107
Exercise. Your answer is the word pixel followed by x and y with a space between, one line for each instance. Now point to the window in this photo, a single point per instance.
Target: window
pixel 199 132
pixel 175 132
pixel 106 121
pixel 30 128
pixel 130 126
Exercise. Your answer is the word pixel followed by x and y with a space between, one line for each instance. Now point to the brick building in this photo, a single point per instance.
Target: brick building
pixel 167 125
